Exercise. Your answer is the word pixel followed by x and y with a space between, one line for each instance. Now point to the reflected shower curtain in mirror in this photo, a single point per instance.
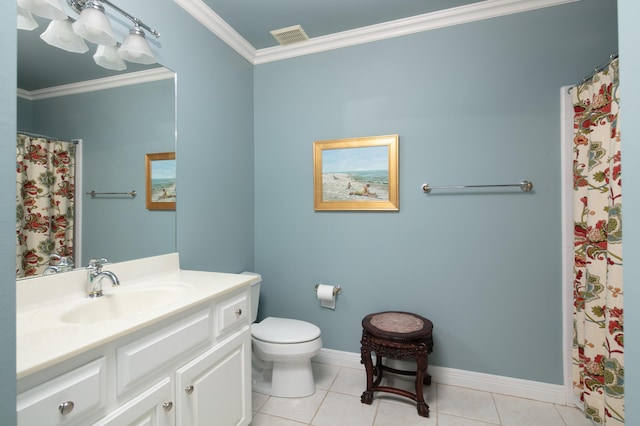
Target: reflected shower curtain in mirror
pixel 598 341
pixel 44 202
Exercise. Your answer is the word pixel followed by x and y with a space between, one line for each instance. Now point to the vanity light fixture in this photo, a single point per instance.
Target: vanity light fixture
pixel 25 20
pixel 60 34
pixel 93 25
pixel 135 48
pixel 50 9
pixel 107 57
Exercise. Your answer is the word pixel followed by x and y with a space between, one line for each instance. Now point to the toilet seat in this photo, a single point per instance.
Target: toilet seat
pixel 284 330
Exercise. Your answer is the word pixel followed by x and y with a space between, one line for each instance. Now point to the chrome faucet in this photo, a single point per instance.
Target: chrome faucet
pixel 95 275
pixel 65 263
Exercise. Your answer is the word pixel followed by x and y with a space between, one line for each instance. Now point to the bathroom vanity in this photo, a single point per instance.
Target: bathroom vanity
pixel 166 347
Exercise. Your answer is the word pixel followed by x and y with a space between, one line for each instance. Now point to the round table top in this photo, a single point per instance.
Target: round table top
pixel 397 325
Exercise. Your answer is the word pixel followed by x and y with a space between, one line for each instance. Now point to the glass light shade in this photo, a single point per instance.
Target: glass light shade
pixel 94 26
pixel 50 9
pixel 135 48
pixel 61 35
pixel 25 20
pixel 107 57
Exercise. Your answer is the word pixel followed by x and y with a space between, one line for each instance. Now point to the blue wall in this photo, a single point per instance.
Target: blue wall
pixel 472 104
pixel 118 127
pixel 215 225
pixel 215 141
pixel 628 12
pixel 25 115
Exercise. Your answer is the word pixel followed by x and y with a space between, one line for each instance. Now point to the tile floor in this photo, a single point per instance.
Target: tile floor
pixel 337 403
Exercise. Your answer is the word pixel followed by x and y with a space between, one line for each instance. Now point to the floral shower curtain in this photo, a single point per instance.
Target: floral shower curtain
pixel 598 341
pixel 44 202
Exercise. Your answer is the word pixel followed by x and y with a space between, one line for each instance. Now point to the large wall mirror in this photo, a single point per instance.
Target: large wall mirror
pixel 117 120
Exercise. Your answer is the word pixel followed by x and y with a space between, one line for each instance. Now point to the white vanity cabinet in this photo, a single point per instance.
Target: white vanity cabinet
pixel 189 369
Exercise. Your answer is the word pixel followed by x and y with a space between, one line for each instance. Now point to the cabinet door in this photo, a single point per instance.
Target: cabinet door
pixel 153 407
pixel 215 388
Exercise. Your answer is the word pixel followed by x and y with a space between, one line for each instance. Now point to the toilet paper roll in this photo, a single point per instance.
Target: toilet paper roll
pixel 326 296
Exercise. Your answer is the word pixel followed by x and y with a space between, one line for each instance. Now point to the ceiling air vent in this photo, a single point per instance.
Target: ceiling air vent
pixel 290 35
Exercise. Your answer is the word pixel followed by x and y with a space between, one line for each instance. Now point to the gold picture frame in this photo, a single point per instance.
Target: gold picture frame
pixel 356 174
pixel 160 169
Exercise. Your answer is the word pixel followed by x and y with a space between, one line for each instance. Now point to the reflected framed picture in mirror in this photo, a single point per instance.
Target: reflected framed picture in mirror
pixel 161 180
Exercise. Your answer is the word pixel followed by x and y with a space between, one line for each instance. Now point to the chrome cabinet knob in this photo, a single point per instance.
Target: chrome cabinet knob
pixel 167 406
pixel 238 312
pixel 66 407
pixel 189 389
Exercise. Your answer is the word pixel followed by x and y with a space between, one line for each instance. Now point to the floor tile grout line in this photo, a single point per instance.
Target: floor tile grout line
pixel 319 406
pixel 495 405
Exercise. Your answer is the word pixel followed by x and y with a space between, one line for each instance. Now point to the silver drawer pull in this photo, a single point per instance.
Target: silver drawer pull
pixel 66 407
pixel 238 312
pixel 167 406
pixel 189 389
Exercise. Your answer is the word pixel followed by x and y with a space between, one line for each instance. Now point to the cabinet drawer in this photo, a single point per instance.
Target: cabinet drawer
pixel 140 359
pixel 152 407
pixel 232 313
pixel 77 393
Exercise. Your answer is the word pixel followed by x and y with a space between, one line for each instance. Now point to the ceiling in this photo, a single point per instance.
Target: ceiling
pixel 254 19
pixel 246 24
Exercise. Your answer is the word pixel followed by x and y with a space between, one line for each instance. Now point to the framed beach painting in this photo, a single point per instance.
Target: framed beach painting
pixel 356 174
pixel 161 180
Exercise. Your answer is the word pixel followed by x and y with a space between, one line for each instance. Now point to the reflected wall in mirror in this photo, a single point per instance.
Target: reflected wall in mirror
pixel 117 124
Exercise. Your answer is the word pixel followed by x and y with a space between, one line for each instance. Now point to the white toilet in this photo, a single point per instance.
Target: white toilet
pixel 282 350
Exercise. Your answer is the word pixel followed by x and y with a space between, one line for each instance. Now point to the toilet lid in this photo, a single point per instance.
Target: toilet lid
pixel 284 330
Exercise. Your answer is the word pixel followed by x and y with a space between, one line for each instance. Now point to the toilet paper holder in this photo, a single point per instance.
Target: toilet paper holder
pixel 336 289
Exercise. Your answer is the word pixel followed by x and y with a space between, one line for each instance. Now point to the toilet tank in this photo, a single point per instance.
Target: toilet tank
pixel 255 295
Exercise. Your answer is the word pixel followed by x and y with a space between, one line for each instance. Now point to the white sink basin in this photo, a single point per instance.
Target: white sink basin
pixel 121 303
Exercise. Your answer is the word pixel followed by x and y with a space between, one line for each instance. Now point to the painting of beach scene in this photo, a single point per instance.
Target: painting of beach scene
pixel 161 181
pixel 356 174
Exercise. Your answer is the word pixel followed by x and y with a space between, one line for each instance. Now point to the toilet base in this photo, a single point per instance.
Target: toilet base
pixel 290 379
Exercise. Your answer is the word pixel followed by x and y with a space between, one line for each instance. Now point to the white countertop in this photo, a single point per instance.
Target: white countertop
pixel 44 339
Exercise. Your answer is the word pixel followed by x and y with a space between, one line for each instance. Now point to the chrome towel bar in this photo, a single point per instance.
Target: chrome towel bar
pixel 525 186
pixel 131 194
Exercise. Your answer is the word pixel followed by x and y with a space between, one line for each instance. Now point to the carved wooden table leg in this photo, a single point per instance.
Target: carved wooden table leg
pixel 365 358
pixel 421 371
pixel 377 371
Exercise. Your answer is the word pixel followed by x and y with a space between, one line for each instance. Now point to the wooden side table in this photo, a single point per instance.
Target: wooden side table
pixel 397 335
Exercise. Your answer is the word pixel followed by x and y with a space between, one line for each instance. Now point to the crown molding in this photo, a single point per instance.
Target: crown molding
pixel 429 21
pixel 214 23
pixel 121 80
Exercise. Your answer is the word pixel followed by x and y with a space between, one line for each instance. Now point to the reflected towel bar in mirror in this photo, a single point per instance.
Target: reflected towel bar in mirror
pixel 525 186
pixel 131 194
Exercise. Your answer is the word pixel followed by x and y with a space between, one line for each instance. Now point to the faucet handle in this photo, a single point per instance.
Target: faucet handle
pixel 97 264
pixel 65 262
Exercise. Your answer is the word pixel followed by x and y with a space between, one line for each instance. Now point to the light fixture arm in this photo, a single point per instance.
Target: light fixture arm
pixel 78 5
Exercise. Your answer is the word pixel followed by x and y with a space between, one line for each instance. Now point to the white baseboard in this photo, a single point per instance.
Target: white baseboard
pixel 519 388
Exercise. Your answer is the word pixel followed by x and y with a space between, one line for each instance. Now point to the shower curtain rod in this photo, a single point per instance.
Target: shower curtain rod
pixel 35 135
pixel 612 58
